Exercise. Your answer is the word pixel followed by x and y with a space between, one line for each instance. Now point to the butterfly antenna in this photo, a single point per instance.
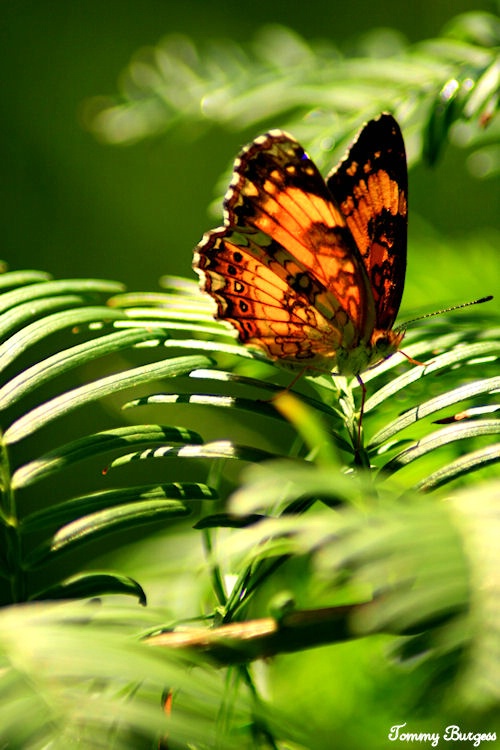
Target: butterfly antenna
pixel 405 325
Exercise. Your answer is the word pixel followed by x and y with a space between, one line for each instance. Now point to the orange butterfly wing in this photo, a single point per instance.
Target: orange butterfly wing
pixel 284 270
pixel 370 185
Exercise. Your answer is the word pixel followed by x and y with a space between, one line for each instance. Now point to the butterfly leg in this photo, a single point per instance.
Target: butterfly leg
pixel 296 379
pixel 413 361
pixel 288 387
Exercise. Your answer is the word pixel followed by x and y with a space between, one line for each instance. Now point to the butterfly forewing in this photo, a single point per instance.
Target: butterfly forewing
pixel 279 190
pixel 370 186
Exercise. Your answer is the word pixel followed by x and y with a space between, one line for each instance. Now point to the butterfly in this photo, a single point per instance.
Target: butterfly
pixel 311 272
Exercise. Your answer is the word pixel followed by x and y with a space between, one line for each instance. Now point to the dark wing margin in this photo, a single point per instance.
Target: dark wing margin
pixel 370 185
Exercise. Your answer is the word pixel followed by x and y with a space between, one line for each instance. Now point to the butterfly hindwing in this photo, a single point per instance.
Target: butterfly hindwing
pixel 370 185
pixel 265 293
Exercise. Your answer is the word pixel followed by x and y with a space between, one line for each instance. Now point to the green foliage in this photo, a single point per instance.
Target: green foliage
pixel 315 91
pixel 282 512
pixel 127 413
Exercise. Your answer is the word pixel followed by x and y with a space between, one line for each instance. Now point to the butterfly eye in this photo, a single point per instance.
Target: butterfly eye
pixel 380 339
pixel 382 343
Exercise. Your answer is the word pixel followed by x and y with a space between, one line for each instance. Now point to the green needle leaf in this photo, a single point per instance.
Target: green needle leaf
pixel 71 400
pixel 99 443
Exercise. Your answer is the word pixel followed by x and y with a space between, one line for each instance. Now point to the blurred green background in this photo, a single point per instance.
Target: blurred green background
pixel 75 207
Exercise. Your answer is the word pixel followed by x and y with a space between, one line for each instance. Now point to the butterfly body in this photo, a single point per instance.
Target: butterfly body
pixel 308 271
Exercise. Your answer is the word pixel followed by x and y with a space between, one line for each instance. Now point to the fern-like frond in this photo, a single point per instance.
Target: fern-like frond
pixel 314 90
pixel 54 332
pixel 419 567
pixel 76 676
pixel 456 381
pixel 404 563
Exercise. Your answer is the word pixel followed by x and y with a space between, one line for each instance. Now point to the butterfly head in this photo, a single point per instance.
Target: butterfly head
pixel 385 343
pixel 381 346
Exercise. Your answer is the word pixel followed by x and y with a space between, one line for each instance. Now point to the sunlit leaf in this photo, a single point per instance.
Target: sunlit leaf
pixel 31 334
pixel 255 406
pixel 217 449
pixel 19 278
pixel 63 513
pixel 461 353
pixel 433 405
pixel 462 466
pixel 11 320
pixel 50 288
pixel 98 444
pixel 75 356
pixel 101 523
pixel 71 400
pixel 439 438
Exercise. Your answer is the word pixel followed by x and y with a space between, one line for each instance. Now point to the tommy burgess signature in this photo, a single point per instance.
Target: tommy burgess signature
pixel 452 733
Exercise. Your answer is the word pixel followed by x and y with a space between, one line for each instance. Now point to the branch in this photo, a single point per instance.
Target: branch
pixel 241 642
